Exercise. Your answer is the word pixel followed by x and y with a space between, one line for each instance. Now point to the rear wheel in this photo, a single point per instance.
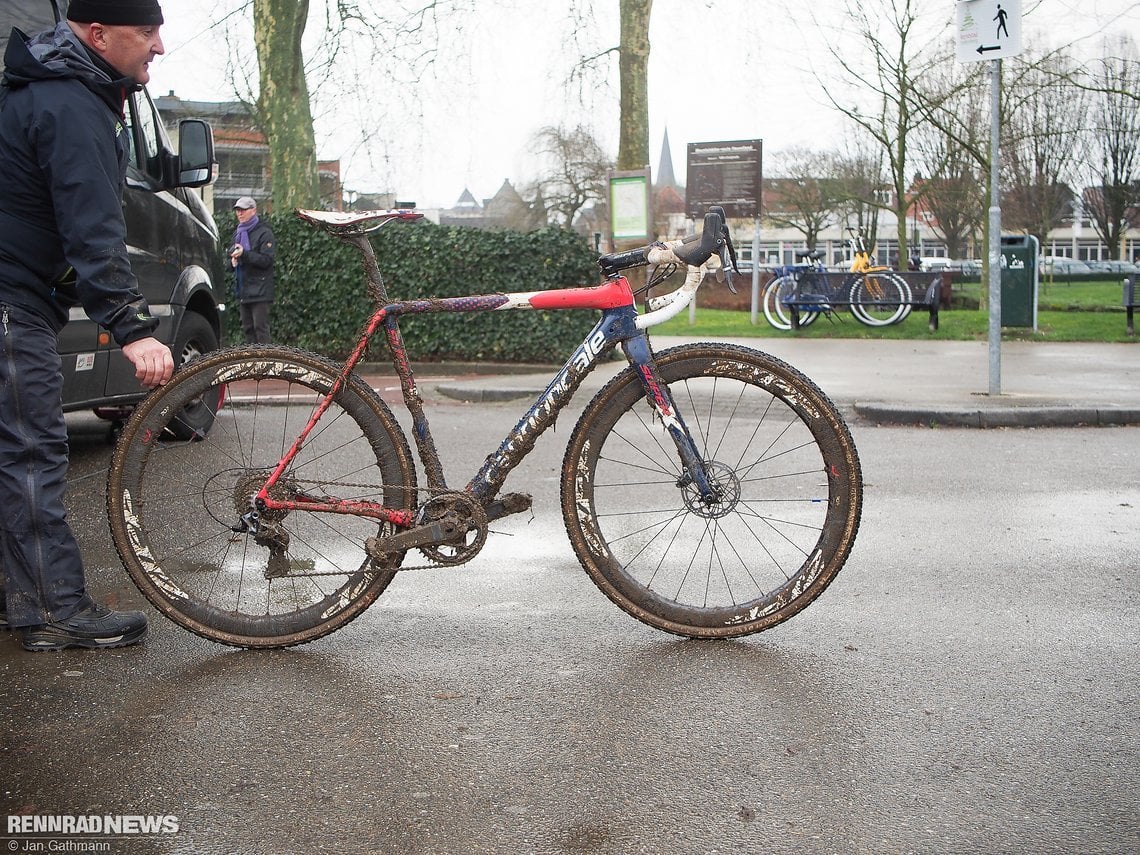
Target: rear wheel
pixel 879 299
pixel 789 494
pixel 182 516
pixel 195 339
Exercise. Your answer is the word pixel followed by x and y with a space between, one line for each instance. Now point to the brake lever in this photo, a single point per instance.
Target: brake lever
pixel 728 256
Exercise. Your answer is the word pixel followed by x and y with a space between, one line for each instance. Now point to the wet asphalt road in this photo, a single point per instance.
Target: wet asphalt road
pixel 967 684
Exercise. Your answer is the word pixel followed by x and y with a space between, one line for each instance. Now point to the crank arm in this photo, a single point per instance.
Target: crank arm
pixel 440 531
pixel 508 503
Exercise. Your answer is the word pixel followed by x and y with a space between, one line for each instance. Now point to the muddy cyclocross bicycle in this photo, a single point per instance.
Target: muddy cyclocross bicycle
pixel 709 490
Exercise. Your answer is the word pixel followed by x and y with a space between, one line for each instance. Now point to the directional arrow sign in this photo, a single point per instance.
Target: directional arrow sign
pixel 988 29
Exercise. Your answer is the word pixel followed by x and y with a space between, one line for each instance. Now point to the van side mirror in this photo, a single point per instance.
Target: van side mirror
pixel 195 153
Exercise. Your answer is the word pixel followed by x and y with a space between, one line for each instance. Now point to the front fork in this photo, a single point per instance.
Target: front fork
pixel 695 472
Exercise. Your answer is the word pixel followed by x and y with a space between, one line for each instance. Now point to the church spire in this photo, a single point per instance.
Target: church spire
pixel 665 169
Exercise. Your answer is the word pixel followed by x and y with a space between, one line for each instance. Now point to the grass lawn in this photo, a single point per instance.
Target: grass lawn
pixel 1087 311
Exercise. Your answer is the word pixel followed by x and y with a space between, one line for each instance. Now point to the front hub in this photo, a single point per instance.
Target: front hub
pixel 725 492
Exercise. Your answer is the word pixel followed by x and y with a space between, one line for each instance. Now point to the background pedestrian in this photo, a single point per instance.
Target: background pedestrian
pixel 251 257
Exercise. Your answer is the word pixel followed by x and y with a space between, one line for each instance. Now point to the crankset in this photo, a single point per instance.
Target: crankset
pixel 451 529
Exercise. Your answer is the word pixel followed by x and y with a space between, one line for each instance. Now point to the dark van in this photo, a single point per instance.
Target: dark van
pixel 173 245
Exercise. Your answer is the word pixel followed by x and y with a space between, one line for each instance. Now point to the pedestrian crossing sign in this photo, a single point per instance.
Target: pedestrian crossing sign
pixel 988 29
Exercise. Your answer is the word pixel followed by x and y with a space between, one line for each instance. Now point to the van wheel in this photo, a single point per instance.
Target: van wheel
pixel 196 338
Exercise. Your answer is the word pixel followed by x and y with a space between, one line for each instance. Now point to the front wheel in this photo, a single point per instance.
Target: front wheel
pixel 776 309
pixel 181 510
pixel 789 494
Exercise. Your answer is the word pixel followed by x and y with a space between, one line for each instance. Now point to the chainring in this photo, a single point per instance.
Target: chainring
pixel 469 517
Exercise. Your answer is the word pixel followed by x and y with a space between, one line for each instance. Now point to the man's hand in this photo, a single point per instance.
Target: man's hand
pixel 151 359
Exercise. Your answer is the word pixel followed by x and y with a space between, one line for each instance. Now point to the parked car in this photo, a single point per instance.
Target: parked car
pixel 1059 265
pixel 173 246
pixel 1114 267
pixel 935 264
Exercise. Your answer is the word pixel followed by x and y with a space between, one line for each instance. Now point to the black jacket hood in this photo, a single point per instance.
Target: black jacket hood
pixel 59 54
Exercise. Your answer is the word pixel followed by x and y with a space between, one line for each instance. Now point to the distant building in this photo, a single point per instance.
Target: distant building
pixel 242 153
pixel 467 212
pixel 505 210
pixel 665 164
pixel 669 218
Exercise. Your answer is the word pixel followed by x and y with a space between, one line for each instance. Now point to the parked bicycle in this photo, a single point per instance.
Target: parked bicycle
pixel 708 490
pixel 794 282
pixel 879 297
pixel 800 293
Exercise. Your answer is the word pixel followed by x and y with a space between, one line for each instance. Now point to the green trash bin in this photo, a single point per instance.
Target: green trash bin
pixel 1019 281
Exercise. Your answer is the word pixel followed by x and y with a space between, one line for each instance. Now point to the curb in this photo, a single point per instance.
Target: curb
pixel 480 395
pixel 998 417
pixel 891 414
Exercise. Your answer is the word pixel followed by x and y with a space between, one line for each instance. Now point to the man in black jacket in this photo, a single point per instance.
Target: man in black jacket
pixel 251 257
pixel 63 161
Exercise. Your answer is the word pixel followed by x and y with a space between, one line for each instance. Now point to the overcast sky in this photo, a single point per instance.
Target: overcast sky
pixel 719 70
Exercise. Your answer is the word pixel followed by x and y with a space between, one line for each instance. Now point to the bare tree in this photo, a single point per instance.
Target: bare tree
pixel 574 171
pixel 892 51
pixel 633 63
pixel 633 73
pixel 340 65
pixel 807 196
pixel 1041 122
pixel 952 148
pixel 956 205
pixel 1111 168
pixel 283 102
pixel 861 177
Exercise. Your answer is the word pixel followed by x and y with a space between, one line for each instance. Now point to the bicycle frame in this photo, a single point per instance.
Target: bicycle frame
pixel 861 256
pixel 620 323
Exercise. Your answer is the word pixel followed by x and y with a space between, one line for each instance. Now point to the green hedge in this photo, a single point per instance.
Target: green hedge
pixel 321 303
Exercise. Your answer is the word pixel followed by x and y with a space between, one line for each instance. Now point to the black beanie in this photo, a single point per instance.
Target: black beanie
pixel 130 13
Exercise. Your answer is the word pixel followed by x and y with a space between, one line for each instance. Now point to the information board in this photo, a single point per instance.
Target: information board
pixel 630 213
pixel 724 173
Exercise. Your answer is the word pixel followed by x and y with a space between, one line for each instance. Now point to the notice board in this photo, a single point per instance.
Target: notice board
pixel 726 174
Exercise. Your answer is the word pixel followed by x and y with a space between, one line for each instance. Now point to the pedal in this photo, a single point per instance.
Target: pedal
pixel 507 504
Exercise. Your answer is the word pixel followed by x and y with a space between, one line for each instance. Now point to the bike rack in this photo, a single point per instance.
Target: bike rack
pixel 928 285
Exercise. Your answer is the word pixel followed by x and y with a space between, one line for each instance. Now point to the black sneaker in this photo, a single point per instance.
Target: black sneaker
pixel 94 628
pixel 3 612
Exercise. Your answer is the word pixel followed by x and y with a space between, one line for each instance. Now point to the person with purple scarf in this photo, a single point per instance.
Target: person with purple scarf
pixel 251 257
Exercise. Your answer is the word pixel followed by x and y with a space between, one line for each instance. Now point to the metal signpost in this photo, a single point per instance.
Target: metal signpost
pixel 728 174
pixel 991 30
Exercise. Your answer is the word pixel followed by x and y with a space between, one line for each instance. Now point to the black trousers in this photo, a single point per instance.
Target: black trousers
pixel 255 322
pixel 40 563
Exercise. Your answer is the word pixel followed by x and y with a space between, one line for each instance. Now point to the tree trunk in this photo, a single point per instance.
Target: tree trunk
pixel 283 102
pixel 633 64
